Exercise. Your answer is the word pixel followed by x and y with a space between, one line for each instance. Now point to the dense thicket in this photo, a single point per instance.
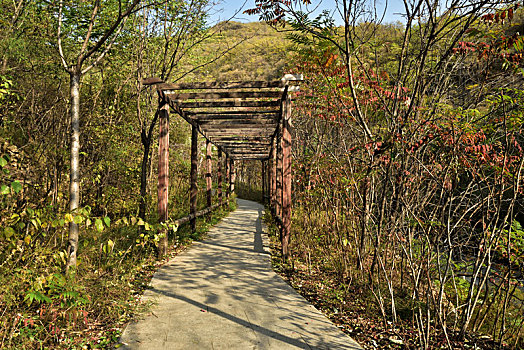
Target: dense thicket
pixel 408 165
pixel 39 305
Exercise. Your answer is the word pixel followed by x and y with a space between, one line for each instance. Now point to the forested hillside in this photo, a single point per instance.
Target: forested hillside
pixel 407 164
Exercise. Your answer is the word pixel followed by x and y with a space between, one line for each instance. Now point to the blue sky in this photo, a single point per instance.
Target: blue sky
pixel 227 8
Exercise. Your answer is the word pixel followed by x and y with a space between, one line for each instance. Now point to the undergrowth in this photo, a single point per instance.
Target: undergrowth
pixel 349 303
pixel 40 308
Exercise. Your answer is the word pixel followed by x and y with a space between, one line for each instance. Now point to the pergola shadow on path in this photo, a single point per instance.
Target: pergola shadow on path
pixel 248 120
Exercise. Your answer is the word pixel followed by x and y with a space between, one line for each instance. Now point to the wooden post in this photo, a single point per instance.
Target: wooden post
pixel 278 202
pixel 219 175
pixel 286 178
pixel 163 173
pixel 228 174
pixel 233 176
pixel 193 177
pixel 263 165
pixel 273 177
pixel 268 181
pixel 208 173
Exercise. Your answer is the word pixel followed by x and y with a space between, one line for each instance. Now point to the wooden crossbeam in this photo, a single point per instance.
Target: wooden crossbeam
pixel 226 147
pixel 234 112
pixel 240 138
pixel 152 81
pixel 249 155
pixel 250 158
pixel 248 147
pixel 216 135
pixel 223 95
pixel 248 150
pixel 227 131
pixel 238 127
pixel 232 103
pixel 244 143
pixel 244 121
pixel 221 85
pixel 234 117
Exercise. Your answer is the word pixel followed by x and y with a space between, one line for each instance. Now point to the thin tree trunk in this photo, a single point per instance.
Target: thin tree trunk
pixel 142 206
pixel 74 175
pixel 146 137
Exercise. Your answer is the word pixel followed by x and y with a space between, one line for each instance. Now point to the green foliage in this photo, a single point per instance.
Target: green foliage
pixel 511 245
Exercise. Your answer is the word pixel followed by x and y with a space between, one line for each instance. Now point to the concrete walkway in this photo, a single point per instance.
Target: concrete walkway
pixel 222 294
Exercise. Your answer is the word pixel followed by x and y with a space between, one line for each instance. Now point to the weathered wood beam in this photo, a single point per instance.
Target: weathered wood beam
pixel 222 95
pixel 163 174
pixel 288 79
pixel 279 174
pixel 195 215
pixel 286 179
pixel 228 174
pixel 236 150
pixel 241 119
pixel 222 85
pixel 272 175
pixel 227 147
pixel 152 81
pixel 250 154
pixel 233 103
pixel 239 127
pixel 193 176
pixel 219 175
pixel 263 167
pixel 208 173
pixel 233 175
pixel 245 148
pixel 260 143
pixel 240 133
pixel 242 112
pixel 240 138
pixel 180 112
pixel 250 157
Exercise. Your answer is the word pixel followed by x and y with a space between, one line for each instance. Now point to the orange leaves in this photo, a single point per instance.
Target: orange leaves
pixel 500 16
pixel 508 49
pixel 424 140
pixel 465 47
pixel 330 60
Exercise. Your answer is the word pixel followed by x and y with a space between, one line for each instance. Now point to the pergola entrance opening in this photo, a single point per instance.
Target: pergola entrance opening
pixel 245 121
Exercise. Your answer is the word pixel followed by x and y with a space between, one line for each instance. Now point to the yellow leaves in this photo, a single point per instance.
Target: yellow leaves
pixel 60 257
pixel 68 218
pixel 330 60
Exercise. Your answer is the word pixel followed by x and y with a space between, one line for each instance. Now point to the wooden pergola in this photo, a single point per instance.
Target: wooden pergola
pixel 245 121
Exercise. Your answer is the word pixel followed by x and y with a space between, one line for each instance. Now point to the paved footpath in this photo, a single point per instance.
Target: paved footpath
pixel 221 293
